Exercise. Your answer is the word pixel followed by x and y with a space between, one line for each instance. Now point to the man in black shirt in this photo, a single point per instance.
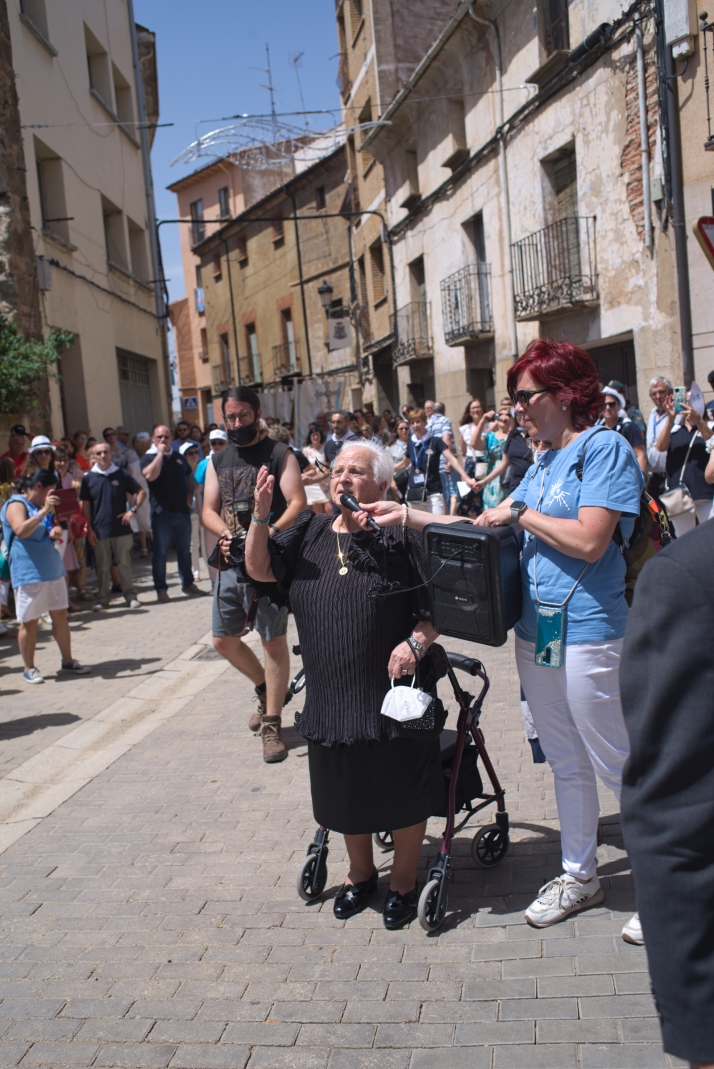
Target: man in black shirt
pixel 227 511
pixel 104 493
pixel 171 488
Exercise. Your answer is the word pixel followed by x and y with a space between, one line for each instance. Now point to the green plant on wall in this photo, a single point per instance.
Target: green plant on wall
pixel 25 364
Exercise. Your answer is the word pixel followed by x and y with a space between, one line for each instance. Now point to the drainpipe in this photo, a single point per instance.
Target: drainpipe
pixel 674 145
pixel 503 176
pixel 302 285
pixel 150 205
pixel 644 140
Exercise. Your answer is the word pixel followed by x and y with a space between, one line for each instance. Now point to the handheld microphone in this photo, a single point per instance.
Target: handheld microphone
pixel 350 502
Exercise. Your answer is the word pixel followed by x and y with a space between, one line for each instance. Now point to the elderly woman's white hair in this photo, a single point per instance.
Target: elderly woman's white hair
pixel 382 462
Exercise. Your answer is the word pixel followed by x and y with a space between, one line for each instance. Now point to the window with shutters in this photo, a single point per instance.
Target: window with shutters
pixel 555 19
pixel 376 261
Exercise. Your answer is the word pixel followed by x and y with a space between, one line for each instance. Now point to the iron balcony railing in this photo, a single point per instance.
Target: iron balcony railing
pixel 198 231
pixel 413 329
pixel 286 360
pixel 466 304
pixel 250 369
pixel 220 379
pixel 555 268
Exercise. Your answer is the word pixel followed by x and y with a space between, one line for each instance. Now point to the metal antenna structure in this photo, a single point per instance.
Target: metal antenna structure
pixel 294 59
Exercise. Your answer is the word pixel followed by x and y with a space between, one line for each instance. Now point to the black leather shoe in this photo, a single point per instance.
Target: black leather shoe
pixel 400 909
pixel 352 898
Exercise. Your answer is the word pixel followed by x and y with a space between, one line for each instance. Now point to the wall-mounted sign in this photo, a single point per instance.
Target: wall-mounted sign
pixel 704 233
pixel 340 335
pixel 190 404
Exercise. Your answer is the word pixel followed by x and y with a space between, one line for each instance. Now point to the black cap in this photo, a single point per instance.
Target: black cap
pixel 19 429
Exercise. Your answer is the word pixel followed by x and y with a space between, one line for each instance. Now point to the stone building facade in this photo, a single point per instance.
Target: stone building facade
pixel 264 321
pixel 512 163
pixel 380 43
pixel 85 143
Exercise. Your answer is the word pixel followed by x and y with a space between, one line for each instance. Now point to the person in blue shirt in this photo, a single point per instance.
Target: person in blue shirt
pixel 36 570
pixel 569 638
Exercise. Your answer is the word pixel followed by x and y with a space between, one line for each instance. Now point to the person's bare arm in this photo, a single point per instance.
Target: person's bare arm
pixel 212 504
pixel 402 661
pixel 389 514
pixel 153 470
pixel 641 457
pixel 257 558
pixel 22 523
pixel 498 470
pixel 293 490
pixel 451 459
pixel 402 464
pixel 91 533
pixel 709 470
pixel 586 538
pixel 478 444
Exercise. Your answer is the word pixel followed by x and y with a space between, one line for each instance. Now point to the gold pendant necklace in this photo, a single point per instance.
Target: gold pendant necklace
pixel 343 570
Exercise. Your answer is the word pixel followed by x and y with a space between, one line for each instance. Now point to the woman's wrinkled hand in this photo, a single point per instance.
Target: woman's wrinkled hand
pixel 263 495
pixel 386 513
pixel 498 517
pixel 402 662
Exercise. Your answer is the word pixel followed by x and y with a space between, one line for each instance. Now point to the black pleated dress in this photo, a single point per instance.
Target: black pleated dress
pixel 363 776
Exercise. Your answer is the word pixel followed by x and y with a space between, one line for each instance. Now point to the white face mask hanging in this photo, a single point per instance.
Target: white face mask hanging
pixel 406 703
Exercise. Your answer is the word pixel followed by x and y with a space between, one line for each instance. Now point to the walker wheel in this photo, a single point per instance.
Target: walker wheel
pixel 384 840
pixel 311 878
pixel 432 905
pixel 490 846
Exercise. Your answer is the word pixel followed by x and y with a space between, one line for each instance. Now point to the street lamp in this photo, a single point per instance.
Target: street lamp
pixel 325 291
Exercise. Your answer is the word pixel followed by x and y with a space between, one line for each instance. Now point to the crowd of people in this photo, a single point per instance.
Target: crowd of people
pixel 563 458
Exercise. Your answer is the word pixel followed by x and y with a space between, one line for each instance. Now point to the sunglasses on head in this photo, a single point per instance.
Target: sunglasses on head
pixel 523 397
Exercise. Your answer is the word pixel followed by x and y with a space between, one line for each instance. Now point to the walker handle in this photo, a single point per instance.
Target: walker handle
pixel 464 664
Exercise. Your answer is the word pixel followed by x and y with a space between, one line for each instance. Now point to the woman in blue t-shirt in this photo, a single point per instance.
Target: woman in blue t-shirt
pixel 569 637
pixel 36 569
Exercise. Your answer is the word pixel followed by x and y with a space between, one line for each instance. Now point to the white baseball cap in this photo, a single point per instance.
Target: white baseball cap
pixel 217 435
pixel 188 445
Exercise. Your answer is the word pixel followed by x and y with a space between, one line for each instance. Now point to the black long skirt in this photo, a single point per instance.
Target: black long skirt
pixel 375 786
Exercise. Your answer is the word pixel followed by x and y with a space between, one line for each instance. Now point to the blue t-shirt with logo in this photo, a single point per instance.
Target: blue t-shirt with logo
pixel 612 478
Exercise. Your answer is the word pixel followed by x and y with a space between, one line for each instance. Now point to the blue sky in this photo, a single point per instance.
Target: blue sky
pixel 204 73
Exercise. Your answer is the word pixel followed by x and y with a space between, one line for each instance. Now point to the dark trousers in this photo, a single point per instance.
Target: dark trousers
pixel 166 526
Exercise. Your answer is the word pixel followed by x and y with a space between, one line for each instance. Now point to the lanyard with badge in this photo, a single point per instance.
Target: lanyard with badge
pixel 418 477
pixel 550 617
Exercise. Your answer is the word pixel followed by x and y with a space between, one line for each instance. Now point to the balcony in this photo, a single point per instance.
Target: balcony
pixel 198 231
pixel 466 304
pixel 286 360
pixel 220 379
pixel 414 333
pixel 555 268
pixel 250 369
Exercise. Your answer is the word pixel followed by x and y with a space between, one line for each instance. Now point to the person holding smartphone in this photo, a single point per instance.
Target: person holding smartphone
pixel 36 570
pixel 686 463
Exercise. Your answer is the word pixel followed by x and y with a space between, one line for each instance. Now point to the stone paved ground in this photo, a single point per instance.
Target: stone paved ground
pixel 152 919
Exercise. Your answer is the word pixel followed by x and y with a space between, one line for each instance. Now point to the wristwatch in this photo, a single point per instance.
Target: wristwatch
pixel 517 510
pixel 133 509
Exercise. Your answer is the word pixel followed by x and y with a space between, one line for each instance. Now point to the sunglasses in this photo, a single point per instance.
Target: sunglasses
pixel 160 436
pixel 523 397
pixel 43 452
pixel 612 404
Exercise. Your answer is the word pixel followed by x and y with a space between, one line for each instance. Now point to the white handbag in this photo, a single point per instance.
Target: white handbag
pixel 678 501
pixel 406 703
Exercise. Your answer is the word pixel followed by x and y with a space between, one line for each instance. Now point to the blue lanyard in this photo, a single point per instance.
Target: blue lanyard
pixel 417 461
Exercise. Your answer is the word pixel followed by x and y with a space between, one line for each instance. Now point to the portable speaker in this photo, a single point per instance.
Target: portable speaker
pixel 475 589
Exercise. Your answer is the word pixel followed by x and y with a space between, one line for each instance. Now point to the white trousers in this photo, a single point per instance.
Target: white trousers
pixel 434 504
pixel 577 714
pixel 688 521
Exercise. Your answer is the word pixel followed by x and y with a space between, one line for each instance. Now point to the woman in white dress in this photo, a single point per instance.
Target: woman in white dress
pixel 314 479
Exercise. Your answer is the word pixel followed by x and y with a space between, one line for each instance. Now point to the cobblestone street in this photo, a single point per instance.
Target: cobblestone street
pixel 151 919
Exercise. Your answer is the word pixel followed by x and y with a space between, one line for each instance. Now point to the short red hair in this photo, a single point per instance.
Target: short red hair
pixel 560 365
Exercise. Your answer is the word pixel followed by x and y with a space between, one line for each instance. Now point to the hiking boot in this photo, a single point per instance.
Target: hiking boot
pixel 273 745
pixel 260 698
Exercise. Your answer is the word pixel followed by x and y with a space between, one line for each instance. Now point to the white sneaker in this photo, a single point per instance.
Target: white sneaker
pixel 632 932
pixel 134 604
pixel 562 896
pixel 31 675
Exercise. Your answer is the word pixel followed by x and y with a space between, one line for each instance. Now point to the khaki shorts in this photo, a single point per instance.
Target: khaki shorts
pixel 230 614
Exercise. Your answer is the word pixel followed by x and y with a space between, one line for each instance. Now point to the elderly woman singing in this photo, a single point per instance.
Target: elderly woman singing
pixel 364 776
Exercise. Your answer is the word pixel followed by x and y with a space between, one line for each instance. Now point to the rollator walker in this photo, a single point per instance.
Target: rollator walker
pixel 460 751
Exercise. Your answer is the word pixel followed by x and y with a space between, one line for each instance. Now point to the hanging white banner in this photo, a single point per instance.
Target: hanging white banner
pixel 340 334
